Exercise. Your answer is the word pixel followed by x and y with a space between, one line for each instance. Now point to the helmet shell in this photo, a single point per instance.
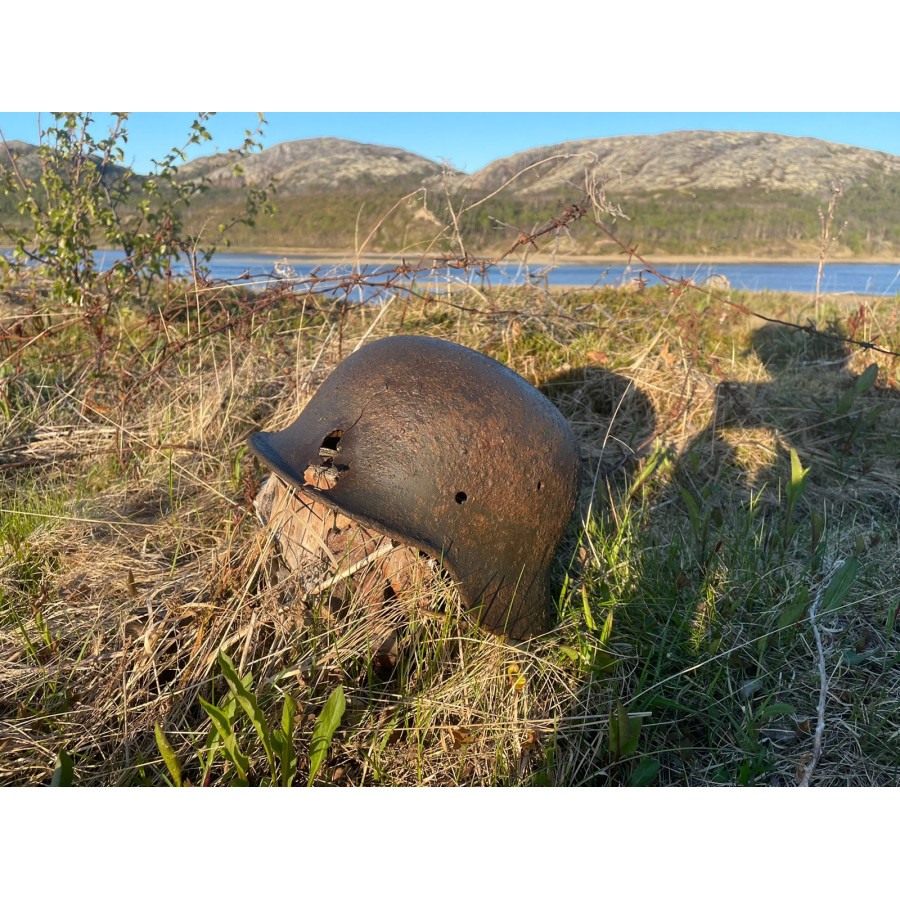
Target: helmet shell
pixel 448 450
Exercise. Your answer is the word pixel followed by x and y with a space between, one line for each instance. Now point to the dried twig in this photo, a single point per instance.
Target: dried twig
pixel 823 676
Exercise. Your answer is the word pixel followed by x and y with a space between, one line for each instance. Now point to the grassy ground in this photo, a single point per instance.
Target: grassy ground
pixel 725 599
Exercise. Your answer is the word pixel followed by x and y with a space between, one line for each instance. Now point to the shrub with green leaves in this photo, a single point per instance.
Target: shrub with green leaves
pixel 84 197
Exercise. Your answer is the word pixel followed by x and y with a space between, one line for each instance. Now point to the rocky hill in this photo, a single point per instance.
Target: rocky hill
pixel 688 161
pixel 317 164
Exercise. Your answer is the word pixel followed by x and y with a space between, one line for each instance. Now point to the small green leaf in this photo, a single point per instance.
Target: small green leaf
pixel 222 724
pixel 624 732
pixel 867 379
pixel 793 613
pixel 606 631
pixel 798 473
pixel 168 754
pixel 845 403
pixel 285 741
pixel 818 529
pixel 776 710
pixel 249 704
pixel 324 729
pixel 64 772
pixel 852 658
pixel 840 585
pixel 645 774
pixel 588 616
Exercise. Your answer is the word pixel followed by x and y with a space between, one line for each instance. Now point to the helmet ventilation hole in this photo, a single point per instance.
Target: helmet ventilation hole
pixel 540 485
pixel 461 497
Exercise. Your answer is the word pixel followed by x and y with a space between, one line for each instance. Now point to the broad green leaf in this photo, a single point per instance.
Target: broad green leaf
pixel 776 710
pixel 324 729
pixel 867 379
pixel 606 632
pixel 227 738
pixel 285 735
pixel 645 774
pixel 168 754
pixel 852 658
pixel 288 714
pixel 588 616
pixel 845 403
pixel 64 772
pixel 792 614
pixel 798 473
pixel 840 585
pixel 624 732
pixel 249 704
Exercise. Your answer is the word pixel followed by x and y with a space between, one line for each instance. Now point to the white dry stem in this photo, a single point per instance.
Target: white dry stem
pixel 352 570
pixel 383 310
pixel 819 736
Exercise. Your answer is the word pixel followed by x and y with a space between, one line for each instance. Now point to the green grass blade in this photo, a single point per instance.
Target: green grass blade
pixel 326 725
pixel 168 754
pixel 64 773
pixel 867 379
pixel 645 774
pixel 840 585
pixel 798 473
pixel 250 705
pixel 227 738
pixel 286 755
pixel 624 732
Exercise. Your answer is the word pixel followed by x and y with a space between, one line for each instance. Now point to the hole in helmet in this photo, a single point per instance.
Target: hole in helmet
pixel 540 485
pixel 330 445
pixel 461 497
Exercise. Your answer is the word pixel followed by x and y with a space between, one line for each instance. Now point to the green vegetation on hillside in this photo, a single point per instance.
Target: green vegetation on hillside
pixel 750 221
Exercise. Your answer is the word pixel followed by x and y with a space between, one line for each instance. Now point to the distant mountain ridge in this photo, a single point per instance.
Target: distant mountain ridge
pixel 318 164
pixel 700 160
pixel 689 192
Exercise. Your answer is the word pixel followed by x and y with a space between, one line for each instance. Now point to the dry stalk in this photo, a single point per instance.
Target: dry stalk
pixel 826 238
pixel 352 570
pixel 819 736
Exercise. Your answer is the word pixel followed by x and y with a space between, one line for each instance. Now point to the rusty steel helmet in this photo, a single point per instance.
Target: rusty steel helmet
pixel 447 450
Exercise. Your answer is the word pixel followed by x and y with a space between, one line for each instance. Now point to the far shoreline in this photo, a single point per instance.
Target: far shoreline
pixel 312 255
pixel 330 255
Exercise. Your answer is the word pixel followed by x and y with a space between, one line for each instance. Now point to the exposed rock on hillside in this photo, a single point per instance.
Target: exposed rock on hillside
pixel 689 160
pixel 319 164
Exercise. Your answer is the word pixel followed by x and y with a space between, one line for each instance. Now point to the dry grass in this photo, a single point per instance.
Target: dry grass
pixel 130 556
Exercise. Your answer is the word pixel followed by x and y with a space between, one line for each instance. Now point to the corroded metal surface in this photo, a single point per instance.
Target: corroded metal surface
pixel 450 451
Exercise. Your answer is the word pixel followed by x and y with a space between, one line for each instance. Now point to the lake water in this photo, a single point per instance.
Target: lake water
pixel 838 278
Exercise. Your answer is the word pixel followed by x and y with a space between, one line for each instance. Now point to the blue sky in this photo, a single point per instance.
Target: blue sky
pixel 469 140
